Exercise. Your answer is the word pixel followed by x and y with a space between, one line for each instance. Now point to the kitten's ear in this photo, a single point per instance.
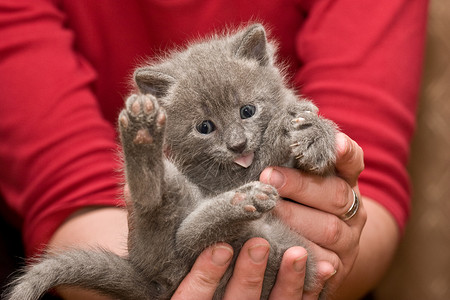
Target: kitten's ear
pixel 253 45
pixel 153 82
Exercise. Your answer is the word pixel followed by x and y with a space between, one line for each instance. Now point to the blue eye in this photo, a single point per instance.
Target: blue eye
pixel 247 111
pixel 206 127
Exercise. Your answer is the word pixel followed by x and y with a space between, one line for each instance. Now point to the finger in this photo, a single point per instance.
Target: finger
pixel 328 231
pixel 291 275
pixel 339 248
pixel 248 275
pixel 205 275
pixel 358 217
pixel 324 272
pixel 349 159
pixel 330 194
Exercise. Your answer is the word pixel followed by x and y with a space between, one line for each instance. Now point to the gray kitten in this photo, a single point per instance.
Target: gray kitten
pixel 202 126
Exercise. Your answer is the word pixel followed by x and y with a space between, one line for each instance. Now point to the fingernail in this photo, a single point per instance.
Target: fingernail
pixel 331 275
pixel 300 264
pixel 258 253
pixel 275 178
pixel 221 255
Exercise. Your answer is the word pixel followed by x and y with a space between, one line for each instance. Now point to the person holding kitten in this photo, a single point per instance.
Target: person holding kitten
pixel 64 68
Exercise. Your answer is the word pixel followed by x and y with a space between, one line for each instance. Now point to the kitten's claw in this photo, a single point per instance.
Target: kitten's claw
pixel 300 156
pixel 298 120
pixel 301 123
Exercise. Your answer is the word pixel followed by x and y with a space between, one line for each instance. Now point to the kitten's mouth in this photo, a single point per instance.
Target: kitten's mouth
pixel 245 160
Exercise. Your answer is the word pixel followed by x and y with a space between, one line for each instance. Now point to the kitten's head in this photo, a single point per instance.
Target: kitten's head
pixel 219 96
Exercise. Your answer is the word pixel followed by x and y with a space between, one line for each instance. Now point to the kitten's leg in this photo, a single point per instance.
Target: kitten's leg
pixel 226 216
pixel 300 133
pixel 312 139
pixel 141 127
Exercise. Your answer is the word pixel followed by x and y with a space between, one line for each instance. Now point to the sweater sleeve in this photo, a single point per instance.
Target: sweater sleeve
pixel 362 63
pixel 56 151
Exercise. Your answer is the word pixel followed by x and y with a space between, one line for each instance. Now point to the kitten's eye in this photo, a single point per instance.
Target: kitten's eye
pixel 206 127
pixel 247 111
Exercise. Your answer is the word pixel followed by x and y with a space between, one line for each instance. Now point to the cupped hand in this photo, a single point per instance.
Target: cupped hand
pixel 335 242
pixel 248 275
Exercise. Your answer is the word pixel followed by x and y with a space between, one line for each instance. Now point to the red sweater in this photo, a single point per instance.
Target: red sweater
pixel 65 67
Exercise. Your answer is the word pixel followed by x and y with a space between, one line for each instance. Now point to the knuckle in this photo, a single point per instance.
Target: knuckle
pixel 335 261
pixel 341 201
pixel 253 282
pixel 203 280
pixel 295 291
pixel 333 230
pixel 298 186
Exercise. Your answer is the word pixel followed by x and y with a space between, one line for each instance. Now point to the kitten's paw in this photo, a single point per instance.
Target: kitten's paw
pixel 142 122
pixel 255 198
pixel 313 142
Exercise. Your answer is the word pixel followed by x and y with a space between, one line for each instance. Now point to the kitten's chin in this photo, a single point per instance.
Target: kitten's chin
pixel 245 160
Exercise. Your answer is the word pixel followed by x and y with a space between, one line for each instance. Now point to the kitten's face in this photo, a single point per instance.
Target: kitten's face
pixel 219 118
pixel 219 96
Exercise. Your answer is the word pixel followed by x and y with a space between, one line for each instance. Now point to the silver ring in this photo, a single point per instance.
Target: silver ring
pixel 353 209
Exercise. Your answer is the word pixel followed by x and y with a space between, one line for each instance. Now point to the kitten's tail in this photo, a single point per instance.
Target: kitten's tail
pixel 103 272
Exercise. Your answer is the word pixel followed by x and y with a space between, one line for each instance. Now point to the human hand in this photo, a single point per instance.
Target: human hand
pixel 325 200
pixel 247 279
pixel 336 243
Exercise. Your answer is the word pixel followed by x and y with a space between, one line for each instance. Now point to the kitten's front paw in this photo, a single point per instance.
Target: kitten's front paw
pixel 313 142
pixel 142 122
pixel 254 199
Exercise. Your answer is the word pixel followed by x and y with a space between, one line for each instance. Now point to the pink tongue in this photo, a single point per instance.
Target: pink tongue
pixel 245 160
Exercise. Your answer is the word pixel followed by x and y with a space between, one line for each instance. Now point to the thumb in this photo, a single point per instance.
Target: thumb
pixel 349 159
pixel 203 279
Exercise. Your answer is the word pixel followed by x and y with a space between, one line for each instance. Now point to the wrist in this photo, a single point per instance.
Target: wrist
pixel 378 243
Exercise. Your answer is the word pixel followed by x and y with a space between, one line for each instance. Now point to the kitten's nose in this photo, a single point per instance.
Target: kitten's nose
pixel 237 146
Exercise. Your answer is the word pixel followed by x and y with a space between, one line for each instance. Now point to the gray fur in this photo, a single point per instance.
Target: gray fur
pixel 187 192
